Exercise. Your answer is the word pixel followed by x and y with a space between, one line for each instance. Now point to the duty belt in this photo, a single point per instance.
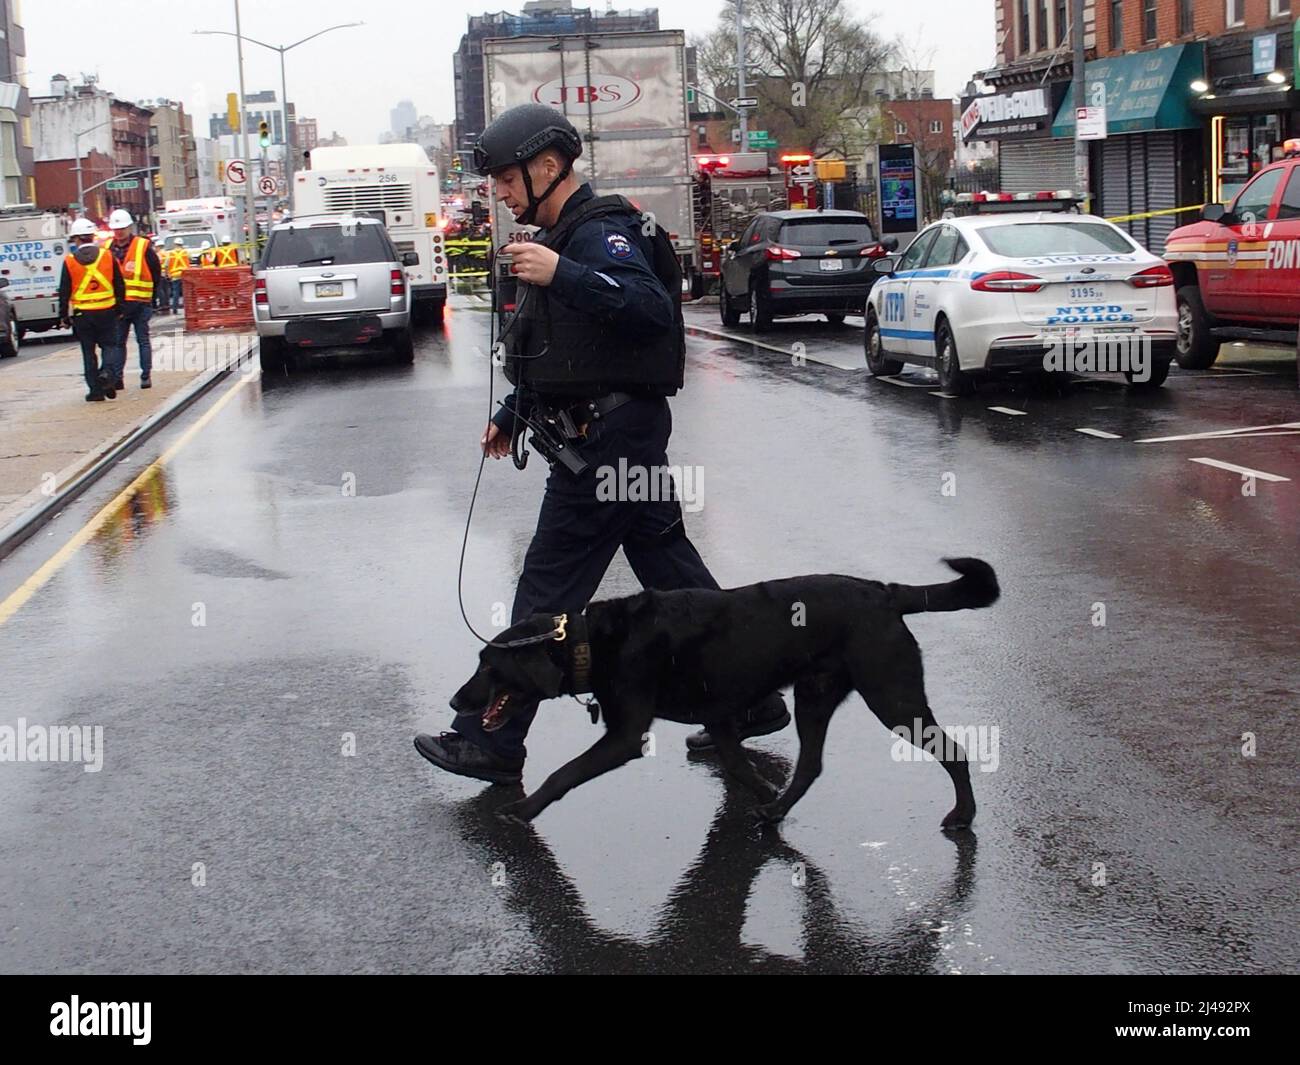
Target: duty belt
pixel 573 417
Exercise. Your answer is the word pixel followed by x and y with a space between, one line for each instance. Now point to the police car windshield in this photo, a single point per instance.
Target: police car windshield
pixel 328 245
pixel 813 231
pixel 194 241
pixel 1023 240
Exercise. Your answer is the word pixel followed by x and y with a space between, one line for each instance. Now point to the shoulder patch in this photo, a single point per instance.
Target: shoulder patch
pixel 618 246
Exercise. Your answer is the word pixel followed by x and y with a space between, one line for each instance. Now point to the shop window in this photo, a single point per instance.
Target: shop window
pixel 1290 205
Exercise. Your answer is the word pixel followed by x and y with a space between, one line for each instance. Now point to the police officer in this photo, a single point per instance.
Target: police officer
pixel 596 345
pixel 91 292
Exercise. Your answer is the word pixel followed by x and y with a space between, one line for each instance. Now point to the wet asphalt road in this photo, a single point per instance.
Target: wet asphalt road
pixel 231 827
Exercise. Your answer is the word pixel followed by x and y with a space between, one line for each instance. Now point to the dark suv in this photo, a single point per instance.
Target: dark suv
pixel 800 262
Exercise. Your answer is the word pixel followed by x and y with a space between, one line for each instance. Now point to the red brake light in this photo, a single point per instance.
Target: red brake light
pixel 1007 281
pixel 777 254
pixel 1156 277
pixel 873 251
pixel 259 291
pixel 397 282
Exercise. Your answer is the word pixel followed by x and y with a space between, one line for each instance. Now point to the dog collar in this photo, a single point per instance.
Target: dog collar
pixel 578 659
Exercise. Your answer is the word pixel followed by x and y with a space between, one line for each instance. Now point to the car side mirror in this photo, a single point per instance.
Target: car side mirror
pixel 1214 212
pixel 884 266
pixel 410 258
pixel 890 244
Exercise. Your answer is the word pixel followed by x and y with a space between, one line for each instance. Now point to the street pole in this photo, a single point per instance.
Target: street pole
pixel 740 73
pixel 81 196
pixel 1080 100
pixel 250 204
pixel 288 133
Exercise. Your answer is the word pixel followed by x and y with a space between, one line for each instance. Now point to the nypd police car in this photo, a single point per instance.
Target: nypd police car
pixel 1022 289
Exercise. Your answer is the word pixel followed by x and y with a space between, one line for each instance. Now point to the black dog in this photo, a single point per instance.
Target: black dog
pixel 703 656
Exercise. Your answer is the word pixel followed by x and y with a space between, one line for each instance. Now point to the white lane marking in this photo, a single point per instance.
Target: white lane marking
pixel 1008 410
pixel 905 384
pixel 945 395
pixel 1243 470
pixel 807 354
pixel 1100 434
pixel 1217 434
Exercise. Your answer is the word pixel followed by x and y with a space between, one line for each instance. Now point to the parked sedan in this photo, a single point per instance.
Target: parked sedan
pixel 800 262
pixel 331 281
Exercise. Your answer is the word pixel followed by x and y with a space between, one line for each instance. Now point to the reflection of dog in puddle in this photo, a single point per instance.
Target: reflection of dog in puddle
pixel 703 656
pixel 701 924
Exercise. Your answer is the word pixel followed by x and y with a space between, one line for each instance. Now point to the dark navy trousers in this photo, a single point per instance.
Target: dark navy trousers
pixel 578 534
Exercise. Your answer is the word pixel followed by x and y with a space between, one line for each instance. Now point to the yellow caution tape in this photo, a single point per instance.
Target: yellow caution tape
pixel 1153 214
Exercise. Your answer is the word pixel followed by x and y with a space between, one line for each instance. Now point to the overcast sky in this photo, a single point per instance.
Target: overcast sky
pixel 350 79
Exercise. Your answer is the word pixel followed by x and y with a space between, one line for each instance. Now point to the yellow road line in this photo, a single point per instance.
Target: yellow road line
pixel 59 559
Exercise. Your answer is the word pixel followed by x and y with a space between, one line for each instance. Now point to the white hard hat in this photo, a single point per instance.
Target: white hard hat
pixel 205 245
pixel 178 240
pixel 120 219
pixel 82 227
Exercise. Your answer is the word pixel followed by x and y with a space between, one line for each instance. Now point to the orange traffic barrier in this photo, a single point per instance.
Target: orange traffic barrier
pixel 218 299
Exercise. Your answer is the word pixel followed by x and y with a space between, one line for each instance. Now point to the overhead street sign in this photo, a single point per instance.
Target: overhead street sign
pixel 122 184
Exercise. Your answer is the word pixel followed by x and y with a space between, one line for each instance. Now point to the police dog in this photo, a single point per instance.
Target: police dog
pixel 703 656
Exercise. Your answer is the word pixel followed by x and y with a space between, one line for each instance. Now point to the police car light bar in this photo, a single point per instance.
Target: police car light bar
pixel 1010 201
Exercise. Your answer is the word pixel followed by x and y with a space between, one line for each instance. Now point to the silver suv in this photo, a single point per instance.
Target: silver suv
pixel 331 281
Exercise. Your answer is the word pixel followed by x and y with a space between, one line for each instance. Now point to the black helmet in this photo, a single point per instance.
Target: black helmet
pixel 515 136
pixel 518 135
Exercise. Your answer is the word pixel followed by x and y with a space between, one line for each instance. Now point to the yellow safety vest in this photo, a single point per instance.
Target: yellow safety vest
pixel 92 286
pixel 139 285
pixel 176 262
pixel 227 255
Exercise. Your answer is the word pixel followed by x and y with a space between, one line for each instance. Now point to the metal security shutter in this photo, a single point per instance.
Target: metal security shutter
pixel 1036 166
pixel 1139 173
pixel 1162 181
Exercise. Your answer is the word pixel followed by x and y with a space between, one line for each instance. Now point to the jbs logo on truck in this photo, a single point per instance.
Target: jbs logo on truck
pixel 612 94
pixel 1099 313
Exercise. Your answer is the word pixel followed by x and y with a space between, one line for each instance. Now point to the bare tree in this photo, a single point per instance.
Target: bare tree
pixel 811 63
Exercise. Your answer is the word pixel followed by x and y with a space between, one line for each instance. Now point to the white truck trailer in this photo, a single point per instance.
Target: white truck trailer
pixel 626 94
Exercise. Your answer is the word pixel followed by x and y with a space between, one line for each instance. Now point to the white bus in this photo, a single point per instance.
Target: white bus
pixel 397 184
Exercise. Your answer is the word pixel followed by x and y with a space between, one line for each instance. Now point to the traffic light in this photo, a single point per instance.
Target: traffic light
pixel 455 163
pixel 264 133
pixel 157 180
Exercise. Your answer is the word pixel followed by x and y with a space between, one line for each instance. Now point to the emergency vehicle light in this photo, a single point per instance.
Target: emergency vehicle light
pixel 1156 277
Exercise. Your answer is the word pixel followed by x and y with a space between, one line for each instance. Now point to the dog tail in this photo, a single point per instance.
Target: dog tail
pixel 976 587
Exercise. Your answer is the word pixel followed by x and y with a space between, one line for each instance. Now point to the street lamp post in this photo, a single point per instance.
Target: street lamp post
pixel 284 89
pixel 76 150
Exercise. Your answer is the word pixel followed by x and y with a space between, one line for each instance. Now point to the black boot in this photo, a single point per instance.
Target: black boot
pixel 761 720
pixel 461 755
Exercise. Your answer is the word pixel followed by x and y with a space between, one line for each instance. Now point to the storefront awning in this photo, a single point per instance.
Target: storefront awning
pixel 1246 100
pixel 1144 90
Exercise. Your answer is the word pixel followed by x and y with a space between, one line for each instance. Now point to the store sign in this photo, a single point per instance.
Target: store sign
pixel 1263 51
pixel 898 189
pixel 1011 115
pixel 1091 123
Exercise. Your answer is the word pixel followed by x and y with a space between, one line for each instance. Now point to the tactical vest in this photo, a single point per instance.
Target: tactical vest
pixel 556 350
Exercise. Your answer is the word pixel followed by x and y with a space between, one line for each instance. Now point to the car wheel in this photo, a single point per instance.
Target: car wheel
pixel 1159 371
pixel 271 352
pixel 404 345
pixel 730 315
pixel 878 362
pixel 760 309
pixel 835 319
pixel 952 379
pixel 1195 348
pixel 9 340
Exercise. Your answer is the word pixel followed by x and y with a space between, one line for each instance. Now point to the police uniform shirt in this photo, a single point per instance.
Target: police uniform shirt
pixel 604 271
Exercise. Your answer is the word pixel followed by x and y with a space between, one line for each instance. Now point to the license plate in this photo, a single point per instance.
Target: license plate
pixel 832 264
pixel 329 288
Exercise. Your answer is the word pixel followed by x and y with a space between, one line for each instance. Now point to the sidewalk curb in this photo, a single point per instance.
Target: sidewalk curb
pixel 83 473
